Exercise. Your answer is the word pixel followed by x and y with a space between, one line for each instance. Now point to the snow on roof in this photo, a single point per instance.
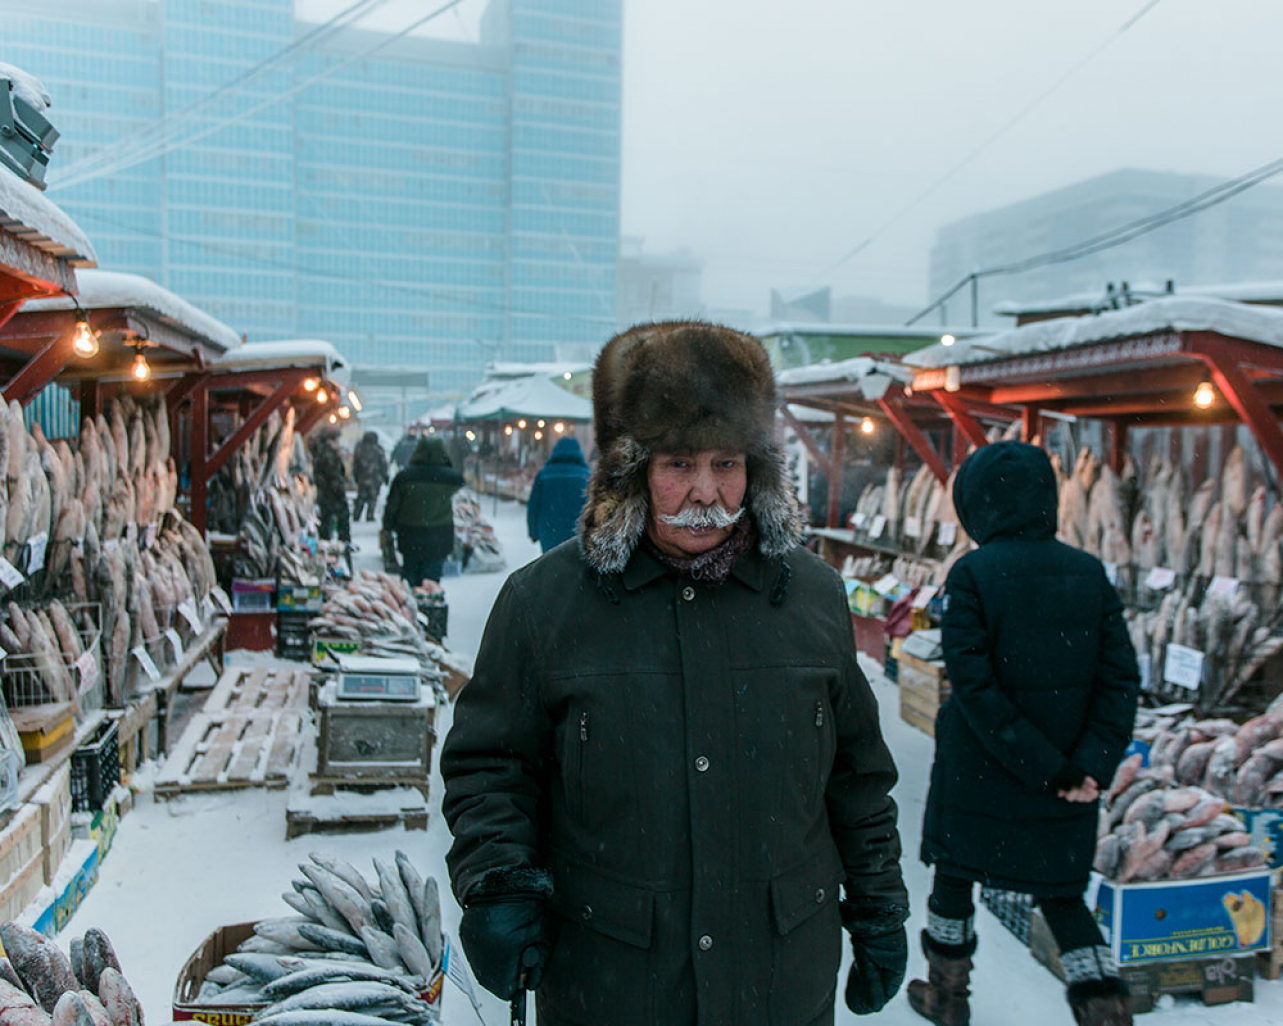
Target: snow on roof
pixel 507 371
pixel 532 396
pixel 304 353
pixel 1175 313
pixel 29 215
pixel 1140 292
pixel 437 415
pixel 27 87
pixel 109 290
pixel 872 376
pixel 775 328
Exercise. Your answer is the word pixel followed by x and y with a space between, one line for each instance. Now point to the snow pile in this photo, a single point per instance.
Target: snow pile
pixel 293 353
pixel 26 213
pixel 1179 313
pixel 107 290
pixel 874 377
pixel 27 87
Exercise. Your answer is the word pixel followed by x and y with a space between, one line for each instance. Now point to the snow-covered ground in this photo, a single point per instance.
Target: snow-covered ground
pixel 181 869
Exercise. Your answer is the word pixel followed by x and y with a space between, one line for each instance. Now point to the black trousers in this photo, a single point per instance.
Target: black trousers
pixel 334 516
pixel 1069 919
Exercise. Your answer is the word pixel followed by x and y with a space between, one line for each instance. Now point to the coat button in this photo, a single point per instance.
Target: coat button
pixel 819 896
pixel 701 763
pixel 688 593
pixel 705 942
pixel 585 913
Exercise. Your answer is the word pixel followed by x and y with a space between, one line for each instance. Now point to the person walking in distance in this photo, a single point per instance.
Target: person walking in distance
pixel 331 486
pixel 370 468
pixel 668 766
pixel 420 511
pixel 557 495
pixel 1044 689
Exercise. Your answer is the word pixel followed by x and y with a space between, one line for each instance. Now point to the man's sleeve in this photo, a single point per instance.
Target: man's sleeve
pixel 1005 732
pixel 495 757
pixel 392 507
pixel 862 814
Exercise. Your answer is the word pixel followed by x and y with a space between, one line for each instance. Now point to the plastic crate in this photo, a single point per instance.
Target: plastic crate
pixel 1013 910
pixel 436 612
pixel 95 769
pixel 294 635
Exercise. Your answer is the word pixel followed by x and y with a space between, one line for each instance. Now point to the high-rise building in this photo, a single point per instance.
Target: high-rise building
pixel 1238 240
pixel 424 204
pixel 657 286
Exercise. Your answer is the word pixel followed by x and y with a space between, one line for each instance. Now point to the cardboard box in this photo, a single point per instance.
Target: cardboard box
pixel 54 802
pixel 1219 917
pixel 1266 828
pixel 84 855
pixel 322 647
pixel 253 596
pixel 221 943
pixel 21 862
pixel 46 730
pixel 299 598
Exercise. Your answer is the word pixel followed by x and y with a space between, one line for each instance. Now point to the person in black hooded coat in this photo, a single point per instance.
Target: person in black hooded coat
pixel 1044 690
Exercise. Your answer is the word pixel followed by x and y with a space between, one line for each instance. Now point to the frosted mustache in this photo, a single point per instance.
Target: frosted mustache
pixel 699 517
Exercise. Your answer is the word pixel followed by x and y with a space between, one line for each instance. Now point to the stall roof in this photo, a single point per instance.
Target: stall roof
pixel 301 353
pixel 29 215
pixel 773 328
pixel 1261 292
pixel 531 396
pixel 1177 313
pixel 871 376
pixel 112 290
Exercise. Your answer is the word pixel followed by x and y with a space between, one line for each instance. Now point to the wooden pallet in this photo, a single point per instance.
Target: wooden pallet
pixel 299 821
pixel 248 735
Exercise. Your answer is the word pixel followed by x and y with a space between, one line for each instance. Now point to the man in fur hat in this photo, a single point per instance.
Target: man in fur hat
pixel 668 764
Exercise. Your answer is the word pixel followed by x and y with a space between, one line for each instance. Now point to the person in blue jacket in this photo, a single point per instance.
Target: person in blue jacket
pixel 557 496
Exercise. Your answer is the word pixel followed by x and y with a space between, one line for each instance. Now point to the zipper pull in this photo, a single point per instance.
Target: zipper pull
pixel 583 726
pixel 819 714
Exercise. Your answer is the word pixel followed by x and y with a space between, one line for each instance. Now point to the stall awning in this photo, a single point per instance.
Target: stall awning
pixel 533 396
pixel 308 354
pixel 871 377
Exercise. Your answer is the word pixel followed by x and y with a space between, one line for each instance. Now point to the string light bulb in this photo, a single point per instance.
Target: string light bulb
pixel 355 400
pixel 559 427
pixel 539 423
pixel 333 419
pixel 141 369
pixel 947 340
pixel 345 412
pixel 867 426
pixel 538 436
pixel 85 342
pixel 309 384
pixel 1205 394
pixel 521 424
pixel 567 376
pixel 322 396
pixel 471 435
pixel 507 430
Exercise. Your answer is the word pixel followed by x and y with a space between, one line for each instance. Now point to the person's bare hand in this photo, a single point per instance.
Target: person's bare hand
pixel 1087 791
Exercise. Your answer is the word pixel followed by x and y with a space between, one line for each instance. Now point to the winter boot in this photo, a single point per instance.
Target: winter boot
pixel 942 996
pixel 1100 1002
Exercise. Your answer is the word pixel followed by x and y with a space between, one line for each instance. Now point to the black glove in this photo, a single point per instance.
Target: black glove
pixel 881 957
pixel 1067 778
pixel 504 936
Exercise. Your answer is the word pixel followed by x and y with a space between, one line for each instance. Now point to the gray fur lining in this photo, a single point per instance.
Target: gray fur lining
pixel 511 881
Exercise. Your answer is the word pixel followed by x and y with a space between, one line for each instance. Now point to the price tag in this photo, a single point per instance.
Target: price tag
pixel 1092 897
pixel 87 667
pixel 1145 663
pixel 1111 573
pixel 111 545
pixel 37 546
pixel 9 575
pixel 879 525
pixel 1160 579
pixel 220 596
pixel 887 586
pixel 177 642
pixel 913 527
pixel 860 520
pixel 191 614
pixel 1223 587
pixel 145 660
pixel 131 533
pixel 208 608
pixel 948 533
pixel 1183 667
pixel 149 536
pixel 924 596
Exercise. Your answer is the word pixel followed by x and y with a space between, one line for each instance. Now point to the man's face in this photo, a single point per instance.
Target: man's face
pixel 696 485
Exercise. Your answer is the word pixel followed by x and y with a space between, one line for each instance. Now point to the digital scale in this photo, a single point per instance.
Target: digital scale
pixel 371 679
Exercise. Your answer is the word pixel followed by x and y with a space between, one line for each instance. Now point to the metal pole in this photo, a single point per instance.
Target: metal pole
pixel 975 300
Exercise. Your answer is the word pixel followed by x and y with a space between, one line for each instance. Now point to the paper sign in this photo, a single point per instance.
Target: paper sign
pixel 924 596
pixel 913 527
pixel 87 667
pixel 1160 579
pixel 1111 573
pixel 177 642
pixel 37 546
pixel 208 608
pixel 1144 663
pixel 860 520
pixel 9 575
pixel 3 653
pixel 1223 587
pixel 948 533
pixel 146 661
pixel 220 596
pixel 149 536
pixel 887 586
pixel 1183 667
pixel 879 525
pixel 191 614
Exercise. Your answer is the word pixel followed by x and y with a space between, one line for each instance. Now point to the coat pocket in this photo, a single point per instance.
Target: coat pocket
pixel 808 946
pixel 602 904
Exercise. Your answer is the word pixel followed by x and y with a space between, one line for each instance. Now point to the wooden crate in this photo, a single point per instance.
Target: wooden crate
pixel 1270 963
pixel 47 731
pixel 923 688
pixel 21 861
pixel 54 802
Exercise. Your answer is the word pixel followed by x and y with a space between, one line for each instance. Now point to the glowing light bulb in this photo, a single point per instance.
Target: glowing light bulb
pixel 508 430
pixel 1204 395
pixel 141 369
pixel 947 340
pixel 567 375
pixel 539 423
pixel 85 342
pixel 345 412
pixel 471 436
pixel 559 427
pixel 521 424
pixel 355 400
pixel 309 384
pixel 538 436
pixel 867 426
pixel 322 396
pixel 333 419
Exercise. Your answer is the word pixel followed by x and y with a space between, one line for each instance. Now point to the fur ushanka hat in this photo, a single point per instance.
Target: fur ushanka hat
pixel 685 387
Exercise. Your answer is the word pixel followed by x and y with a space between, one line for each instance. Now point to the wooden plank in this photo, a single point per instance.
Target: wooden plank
pixel 218 748
pixel 285 743
pixel 247 758
pixel 915 719
pixel 221 697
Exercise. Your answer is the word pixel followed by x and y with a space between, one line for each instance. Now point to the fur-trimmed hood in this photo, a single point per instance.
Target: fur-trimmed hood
pixel 681 386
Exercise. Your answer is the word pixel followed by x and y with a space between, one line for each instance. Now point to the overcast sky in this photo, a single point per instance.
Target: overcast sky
pixel 772 136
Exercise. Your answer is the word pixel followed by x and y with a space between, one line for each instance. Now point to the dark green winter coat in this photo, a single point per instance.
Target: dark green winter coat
pixel 328 472
pixel 1044 681
pixel 699 767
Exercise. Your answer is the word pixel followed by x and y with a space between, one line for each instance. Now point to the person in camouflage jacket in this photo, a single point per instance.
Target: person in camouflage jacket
pixel 370 468
pixel 331 486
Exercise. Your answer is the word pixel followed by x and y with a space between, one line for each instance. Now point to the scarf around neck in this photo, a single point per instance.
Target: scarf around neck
pixel 713 566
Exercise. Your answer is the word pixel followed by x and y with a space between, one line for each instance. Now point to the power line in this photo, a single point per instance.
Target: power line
pixel 1118 235
pixel 989 140
pixel 163 148
pixel 174 121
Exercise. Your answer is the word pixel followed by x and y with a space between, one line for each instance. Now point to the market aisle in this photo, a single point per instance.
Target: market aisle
pixel 181 869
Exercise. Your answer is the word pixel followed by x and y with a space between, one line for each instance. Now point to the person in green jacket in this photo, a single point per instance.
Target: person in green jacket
pixel 420 511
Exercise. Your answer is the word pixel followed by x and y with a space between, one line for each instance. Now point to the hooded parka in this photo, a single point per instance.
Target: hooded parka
pixel 1043 678
pixel 557 495
pixel 697 768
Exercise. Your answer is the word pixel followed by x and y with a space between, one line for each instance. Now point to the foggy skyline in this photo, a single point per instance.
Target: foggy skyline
pixel 770 138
